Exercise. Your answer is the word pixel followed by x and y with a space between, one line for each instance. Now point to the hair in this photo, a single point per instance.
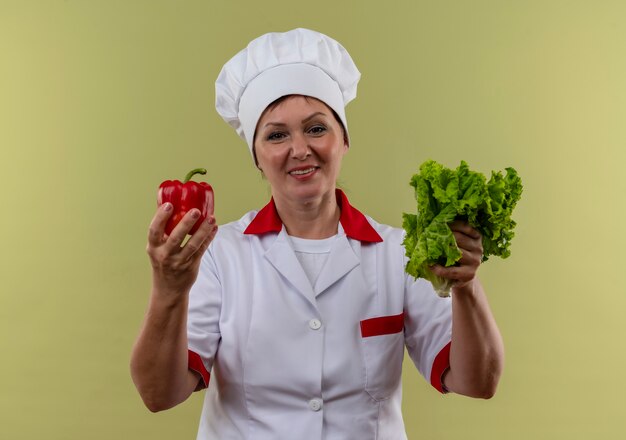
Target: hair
pixel 272 105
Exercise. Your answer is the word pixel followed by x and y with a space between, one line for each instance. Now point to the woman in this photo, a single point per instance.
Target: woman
pixel 296 316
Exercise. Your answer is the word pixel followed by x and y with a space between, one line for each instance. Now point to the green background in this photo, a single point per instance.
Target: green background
pixel 102 100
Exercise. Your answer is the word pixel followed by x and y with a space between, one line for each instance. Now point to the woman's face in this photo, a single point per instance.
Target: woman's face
pixel 299 146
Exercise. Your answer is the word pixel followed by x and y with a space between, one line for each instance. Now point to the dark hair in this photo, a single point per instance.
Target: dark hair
pixel 272 105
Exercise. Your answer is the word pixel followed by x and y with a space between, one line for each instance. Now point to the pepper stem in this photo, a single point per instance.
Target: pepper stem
pixel 191 173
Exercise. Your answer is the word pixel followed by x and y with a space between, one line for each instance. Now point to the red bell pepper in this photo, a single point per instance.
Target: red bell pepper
pixel 184 196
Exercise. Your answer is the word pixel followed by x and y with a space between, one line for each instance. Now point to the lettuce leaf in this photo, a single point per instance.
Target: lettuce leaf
pixel 444 195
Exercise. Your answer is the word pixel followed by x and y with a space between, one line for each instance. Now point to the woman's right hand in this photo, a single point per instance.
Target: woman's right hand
pixel 175 267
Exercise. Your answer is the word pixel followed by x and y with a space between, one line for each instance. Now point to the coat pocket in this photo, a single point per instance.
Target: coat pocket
pixel 382 343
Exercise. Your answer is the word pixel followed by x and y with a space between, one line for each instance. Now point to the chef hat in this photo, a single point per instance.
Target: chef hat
pixel 297 62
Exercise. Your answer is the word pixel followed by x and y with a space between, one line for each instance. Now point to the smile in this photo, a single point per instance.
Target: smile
pixel 302 171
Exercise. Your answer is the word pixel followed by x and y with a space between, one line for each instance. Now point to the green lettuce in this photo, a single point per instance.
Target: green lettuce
pixel 444 195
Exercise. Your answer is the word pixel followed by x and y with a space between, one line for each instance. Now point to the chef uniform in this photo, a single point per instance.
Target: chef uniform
pixel 304 339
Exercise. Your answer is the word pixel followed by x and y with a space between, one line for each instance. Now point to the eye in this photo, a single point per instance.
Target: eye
pixel 275 136
pixel 317 129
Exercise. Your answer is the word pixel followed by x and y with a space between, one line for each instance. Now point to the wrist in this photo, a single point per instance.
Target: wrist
pixel 169 297
pixel 465 290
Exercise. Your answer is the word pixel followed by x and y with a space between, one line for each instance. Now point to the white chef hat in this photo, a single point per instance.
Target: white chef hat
pixel 297 62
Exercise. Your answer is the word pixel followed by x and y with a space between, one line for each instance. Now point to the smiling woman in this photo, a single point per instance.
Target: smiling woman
pixel 299 147
pixel 296 316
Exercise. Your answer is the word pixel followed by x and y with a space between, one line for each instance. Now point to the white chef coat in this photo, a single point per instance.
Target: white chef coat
pixel 292 360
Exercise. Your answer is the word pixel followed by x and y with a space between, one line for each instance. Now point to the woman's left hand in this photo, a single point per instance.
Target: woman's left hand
pixel 469 241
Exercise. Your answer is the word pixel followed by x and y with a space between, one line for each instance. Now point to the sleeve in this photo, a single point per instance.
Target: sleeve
pixel 203 332
pixel 428 330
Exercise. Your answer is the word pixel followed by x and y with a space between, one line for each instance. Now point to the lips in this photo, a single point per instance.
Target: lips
pixel 302 171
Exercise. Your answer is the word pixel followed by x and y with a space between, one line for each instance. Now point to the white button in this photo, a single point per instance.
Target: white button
pixel 315 404
pixel 315 324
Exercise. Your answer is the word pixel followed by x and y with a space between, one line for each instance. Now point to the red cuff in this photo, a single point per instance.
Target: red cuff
pixel 440 365
pixel 194 363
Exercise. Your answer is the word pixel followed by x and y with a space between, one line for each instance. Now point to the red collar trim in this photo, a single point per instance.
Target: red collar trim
pixel 266 220
pixel 354 223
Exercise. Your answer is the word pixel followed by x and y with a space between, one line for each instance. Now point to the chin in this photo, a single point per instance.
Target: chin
pixel 309 193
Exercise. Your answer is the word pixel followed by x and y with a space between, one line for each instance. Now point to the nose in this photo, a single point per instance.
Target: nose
pixel 300 148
